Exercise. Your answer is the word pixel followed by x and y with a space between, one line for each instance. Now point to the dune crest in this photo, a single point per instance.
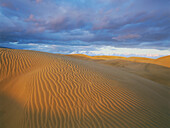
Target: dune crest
pixel 163 61
pixel 42 90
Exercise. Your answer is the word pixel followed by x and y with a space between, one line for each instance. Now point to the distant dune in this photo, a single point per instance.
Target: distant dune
pixel 163 61
pixel 153 69
pixel 43 90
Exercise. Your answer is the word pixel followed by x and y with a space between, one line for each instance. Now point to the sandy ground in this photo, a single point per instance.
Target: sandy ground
pixel 42 90
pixel 162 61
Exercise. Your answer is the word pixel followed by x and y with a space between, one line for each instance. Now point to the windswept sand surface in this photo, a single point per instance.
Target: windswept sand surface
pixel 157 70
pixel 162 61
pixel 41 90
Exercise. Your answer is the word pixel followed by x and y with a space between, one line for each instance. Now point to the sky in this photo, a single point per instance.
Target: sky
pixel 92 27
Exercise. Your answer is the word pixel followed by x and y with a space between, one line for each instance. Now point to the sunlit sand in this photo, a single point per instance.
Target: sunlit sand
pixel 43 90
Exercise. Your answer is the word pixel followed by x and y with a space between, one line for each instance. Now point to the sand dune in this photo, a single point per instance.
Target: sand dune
pixel 156 70
pixel 163 61
pixel 41 90
pixel 156 73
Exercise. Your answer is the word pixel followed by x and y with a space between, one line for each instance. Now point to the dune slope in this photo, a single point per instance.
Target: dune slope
pixel 157 70
pixel 41 90
pixel 156 73
pixel 162 61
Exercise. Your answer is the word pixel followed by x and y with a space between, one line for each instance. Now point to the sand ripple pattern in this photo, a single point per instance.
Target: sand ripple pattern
pixel 63 92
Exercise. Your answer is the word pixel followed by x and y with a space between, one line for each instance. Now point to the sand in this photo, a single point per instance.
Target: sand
pixel 43 90
pixel 163 61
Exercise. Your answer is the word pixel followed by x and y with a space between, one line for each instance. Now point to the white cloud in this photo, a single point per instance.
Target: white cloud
pixel 90 50
pixel 13 43
pixel 110 50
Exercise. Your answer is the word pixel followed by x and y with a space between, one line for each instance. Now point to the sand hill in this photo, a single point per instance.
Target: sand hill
pixel 163 61
pixel 42 90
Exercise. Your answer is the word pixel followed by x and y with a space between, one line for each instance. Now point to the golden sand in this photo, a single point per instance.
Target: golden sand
pixel 42 90
pixel 163 61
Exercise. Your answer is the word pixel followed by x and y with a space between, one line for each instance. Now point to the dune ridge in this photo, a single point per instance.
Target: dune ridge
pixel 163 61
pixel 42 90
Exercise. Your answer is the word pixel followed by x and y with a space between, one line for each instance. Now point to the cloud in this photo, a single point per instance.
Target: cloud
pixel 128 52
pixel 38 1
pixel 8 5
pixel 89 50
pixel 31 18
pixel 116 23
pixel 126 37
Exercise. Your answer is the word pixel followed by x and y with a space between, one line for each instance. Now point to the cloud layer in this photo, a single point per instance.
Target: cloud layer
pixel 115 23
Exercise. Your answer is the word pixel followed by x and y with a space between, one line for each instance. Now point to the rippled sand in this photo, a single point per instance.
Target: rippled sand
pixel 42 90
